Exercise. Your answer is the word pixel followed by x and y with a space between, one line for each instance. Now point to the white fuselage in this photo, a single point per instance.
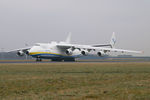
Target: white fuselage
pixel 50 50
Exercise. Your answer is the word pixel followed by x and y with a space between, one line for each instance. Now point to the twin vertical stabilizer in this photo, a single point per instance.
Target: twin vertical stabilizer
pixel 68 40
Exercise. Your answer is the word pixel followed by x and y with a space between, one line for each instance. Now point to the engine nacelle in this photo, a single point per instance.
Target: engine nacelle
pixel 27 52
pixel 101 54
pixel 69 52
pixel 20 53
pixel 84 52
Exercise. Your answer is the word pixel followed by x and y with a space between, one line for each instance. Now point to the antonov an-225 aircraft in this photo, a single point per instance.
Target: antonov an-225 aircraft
pixel 65 51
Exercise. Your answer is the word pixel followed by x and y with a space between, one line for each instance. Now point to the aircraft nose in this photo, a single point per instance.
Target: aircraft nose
pixel 32 50
pixel 29 52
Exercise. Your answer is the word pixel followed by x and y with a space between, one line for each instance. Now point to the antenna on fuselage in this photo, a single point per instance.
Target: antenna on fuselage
pixel 68 40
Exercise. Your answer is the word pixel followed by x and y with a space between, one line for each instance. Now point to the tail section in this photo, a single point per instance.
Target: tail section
pixel 68 40
pixel 113 40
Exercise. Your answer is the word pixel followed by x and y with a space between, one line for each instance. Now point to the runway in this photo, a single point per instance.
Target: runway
pixel 78 61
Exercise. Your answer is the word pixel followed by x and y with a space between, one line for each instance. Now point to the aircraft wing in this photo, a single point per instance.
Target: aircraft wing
pixel 65 46
pixel 20 49
pixel 101 45
pixel 89 48
pixel 119 50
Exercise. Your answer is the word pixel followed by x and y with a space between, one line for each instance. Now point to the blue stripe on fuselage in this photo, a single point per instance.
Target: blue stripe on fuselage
pixel 53 55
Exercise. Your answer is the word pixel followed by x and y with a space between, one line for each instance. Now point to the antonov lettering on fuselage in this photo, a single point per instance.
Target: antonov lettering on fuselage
pixel 65 51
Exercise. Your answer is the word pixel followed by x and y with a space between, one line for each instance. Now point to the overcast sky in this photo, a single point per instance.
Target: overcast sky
pixel 90 21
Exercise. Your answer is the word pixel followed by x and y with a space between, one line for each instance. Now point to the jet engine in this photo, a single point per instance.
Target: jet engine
pixel 84 52
pixel 27 52
pixel 20 53
pixel 100 53
pixel 69 52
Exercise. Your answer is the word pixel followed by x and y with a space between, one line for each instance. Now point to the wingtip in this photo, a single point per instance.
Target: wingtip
pixel 142 52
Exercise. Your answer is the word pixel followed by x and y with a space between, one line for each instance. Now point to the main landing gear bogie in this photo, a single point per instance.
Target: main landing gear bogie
pixel 58 60
pixel 65 60
pixel 69 60
pixel 38 59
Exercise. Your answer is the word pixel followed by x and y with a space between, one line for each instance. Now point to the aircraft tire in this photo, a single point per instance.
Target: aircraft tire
pixel 69 60
pixel 38 59
pixel 58 60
